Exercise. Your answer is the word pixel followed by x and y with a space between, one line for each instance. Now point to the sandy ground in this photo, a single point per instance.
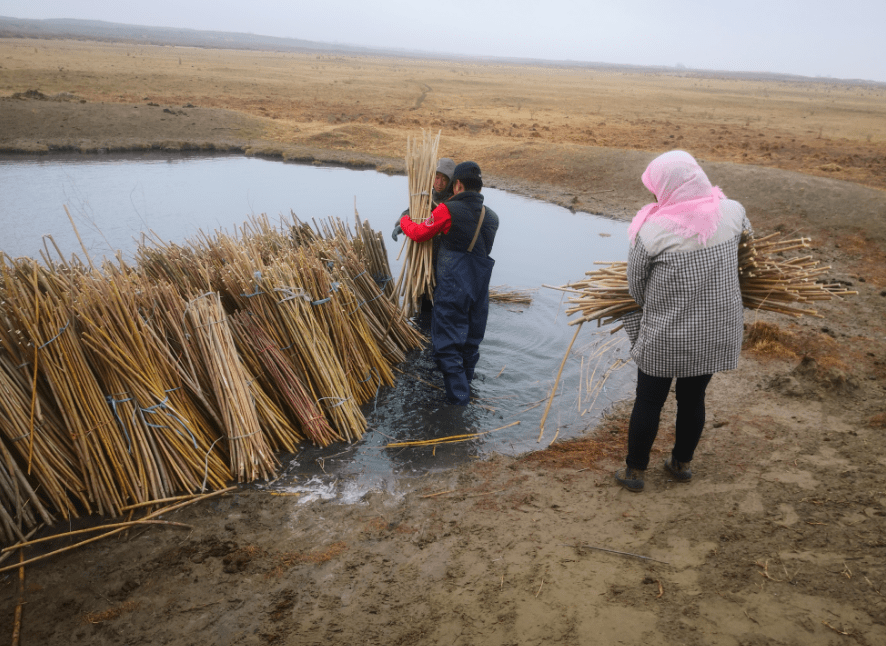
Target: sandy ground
pixel 779 539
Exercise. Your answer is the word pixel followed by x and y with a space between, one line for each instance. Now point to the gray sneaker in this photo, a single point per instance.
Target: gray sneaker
pixel 630 479
pixel 679 471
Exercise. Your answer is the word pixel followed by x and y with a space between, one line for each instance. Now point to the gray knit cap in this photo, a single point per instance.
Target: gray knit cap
pixel 446 166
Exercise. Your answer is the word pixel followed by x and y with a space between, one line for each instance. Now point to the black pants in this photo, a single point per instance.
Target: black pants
pixel 651 395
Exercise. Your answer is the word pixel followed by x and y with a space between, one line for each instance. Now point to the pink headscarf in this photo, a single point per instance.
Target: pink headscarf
pixel 687 203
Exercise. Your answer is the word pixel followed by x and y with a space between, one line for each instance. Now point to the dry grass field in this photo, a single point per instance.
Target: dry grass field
pixel 370 104
pixel 779 539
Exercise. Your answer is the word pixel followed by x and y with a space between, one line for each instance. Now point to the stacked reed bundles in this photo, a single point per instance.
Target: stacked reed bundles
pixel 39 303
pixel 286 309
pixel 344 324
pixel 388 324
pixel 361 261
pixel 166 431
pixel 114 391
pixel 417 274
pixel 768 282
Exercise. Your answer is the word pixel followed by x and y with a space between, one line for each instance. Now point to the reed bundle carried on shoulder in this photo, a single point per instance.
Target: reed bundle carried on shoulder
pixel 417 274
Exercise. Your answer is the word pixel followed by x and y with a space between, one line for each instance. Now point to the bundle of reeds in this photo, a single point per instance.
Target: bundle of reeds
pixel 278 296
pixel 370 247
pixel 46 455
pixel 281 380
pixel 417 274
pixel 771 282
pixel 768 282
pixel 39 304
pixel 167 434
pixel 250 456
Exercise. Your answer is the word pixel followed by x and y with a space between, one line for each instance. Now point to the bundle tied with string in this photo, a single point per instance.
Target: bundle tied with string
pixel 769 281
pixel 417 274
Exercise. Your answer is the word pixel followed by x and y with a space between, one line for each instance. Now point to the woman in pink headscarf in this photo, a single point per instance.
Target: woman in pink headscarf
pixel 683 272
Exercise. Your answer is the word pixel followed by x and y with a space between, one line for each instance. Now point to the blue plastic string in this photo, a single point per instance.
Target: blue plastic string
pixel 158 407
pixel 342 400
pixel 56 336
pixel 362 303
pixel 113 401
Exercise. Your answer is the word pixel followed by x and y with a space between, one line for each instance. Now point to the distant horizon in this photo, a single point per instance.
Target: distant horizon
pixel 544 51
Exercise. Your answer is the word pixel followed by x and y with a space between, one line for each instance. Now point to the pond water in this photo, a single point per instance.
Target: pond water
pixel 113 198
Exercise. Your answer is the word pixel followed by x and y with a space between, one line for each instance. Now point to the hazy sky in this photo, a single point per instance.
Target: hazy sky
pixel 838 38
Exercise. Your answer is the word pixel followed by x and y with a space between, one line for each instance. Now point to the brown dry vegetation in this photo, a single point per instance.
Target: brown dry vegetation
pixel 370 104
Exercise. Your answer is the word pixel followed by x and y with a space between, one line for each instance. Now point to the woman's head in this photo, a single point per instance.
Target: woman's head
pixel 675 177
pixel 687 204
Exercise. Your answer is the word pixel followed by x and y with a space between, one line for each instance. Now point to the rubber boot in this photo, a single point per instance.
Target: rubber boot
pixel 458 389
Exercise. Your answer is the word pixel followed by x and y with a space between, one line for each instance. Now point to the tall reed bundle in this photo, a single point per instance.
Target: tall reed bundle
pixel 276 295
pixel 305 333
pixel 337 258
pixel 390 329
pixel 767 281
pixel 250 456
pixel 360 260
pixel 417 274
pixel 370 247
pixel 46 454
pixel 281 379
pixel 343 323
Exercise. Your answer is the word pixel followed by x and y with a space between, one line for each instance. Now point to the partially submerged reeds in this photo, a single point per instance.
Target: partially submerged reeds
pixel 768 282
pixel 417 273
pixel 505 295
pixel 190 367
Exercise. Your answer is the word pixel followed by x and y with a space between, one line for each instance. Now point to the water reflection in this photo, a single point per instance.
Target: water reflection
pixel 113 199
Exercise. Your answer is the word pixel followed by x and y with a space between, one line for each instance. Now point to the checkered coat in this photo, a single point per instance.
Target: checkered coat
pixel 691 321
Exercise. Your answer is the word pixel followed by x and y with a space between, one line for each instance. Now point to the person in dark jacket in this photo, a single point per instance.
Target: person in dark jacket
pixel 467 231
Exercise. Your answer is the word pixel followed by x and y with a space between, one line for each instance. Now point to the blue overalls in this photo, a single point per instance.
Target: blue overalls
pixel 461 297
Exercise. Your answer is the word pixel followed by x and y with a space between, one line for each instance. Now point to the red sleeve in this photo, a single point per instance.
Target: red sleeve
pixel 439 222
